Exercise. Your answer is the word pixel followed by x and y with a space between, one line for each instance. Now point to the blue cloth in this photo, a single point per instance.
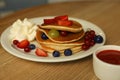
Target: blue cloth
pixel 20 4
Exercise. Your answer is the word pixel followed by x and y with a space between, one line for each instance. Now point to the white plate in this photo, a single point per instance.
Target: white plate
pixel 6 44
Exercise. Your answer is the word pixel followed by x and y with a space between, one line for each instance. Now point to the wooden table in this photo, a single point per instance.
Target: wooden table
pixel 104 14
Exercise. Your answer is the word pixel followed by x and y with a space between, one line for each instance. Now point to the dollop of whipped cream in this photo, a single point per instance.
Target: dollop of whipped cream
pixel 21 30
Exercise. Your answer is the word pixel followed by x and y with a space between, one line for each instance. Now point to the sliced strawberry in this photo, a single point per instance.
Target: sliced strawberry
pixel 63 17
pixel 49 21
pixel 23 44
pixel 64 23
pixel 40 52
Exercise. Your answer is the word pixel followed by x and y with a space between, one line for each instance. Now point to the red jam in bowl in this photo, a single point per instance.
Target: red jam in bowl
pixel 110 56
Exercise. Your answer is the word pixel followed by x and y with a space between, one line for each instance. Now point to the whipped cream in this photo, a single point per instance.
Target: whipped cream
pixel 21 30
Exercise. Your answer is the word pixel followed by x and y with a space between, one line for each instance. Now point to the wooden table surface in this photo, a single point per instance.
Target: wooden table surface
pixel 104 14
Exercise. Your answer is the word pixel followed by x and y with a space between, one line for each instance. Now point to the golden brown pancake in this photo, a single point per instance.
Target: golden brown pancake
pixel 75 27
pixel 71 37
pixel 73 40
pixel 50 46
pixel 51 50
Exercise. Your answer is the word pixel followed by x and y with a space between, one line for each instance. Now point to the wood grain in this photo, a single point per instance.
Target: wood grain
pixel 105 14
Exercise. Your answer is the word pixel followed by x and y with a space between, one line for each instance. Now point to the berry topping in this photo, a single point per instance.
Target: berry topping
pixel 89 34
pixel 15 42
pixel 23 44
pixel 87 42
pixel 49 21
pixel 32 46
pixel 27 49
pixel 68 52
pixel 98 39
pixel 64 23
pixel 53 33
pixel 40 52
pixel 92 43
pixel 92 32
pixel 63 33
pixel 63 17
pixel 56 53
pixel 89 39
pixel 85 47
pixel 59 20
pixel 44 37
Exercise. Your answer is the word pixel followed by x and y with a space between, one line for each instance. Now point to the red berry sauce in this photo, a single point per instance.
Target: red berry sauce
pixel 110 56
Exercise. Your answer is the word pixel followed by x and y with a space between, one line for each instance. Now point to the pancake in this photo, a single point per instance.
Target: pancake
pixel 50 42
pixel 49 46
pixel 73 40
pixel 71 37
pixel 51 50
pixel 75 27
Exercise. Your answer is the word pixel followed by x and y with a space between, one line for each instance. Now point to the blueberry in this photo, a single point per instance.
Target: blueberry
pixel 98 39
pixel 44 37
pixel 32 46
pixel 68 52
pixel 56 53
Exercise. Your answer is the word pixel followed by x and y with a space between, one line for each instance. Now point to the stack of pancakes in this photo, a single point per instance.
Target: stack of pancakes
pixel 73 40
